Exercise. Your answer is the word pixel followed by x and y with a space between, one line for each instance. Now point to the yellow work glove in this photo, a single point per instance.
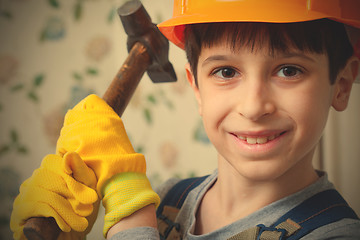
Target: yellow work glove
pixel 63 188
pixel 97 134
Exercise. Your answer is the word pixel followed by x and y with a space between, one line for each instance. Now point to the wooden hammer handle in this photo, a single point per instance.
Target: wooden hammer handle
pixel 41 228
pixel 117 96
pixel 127 79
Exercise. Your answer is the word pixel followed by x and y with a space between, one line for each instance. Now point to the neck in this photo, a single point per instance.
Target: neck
pixel 242 195
pixel 242 190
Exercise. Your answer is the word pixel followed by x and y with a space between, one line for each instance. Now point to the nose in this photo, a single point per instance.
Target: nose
pixel 256 100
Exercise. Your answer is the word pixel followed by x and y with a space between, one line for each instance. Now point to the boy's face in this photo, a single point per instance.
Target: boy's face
pixel 264 114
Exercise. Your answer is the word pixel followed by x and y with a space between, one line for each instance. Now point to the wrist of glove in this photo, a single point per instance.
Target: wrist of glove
pixel 124 194
pixel 63 188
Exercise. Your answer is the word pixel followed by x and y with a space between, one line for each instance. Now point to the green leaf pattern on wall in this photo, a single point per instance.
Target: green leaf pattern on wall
pixel 54 29
pixel 31 90
pixel 54 3
pixel 152 101
pixel 13 144
pixel 72 49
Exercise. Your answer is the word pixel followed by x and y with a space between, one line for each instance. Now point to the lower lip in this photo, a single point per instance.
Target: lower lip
pixel 259 148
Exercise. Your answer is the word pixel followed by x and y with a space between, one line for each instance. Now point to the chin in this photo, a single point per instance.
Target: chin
pixel 263 172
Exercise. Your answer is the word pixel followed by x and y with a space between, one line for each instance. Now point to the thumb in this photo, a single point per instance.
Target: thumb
pixel 73 164
pixel 81 180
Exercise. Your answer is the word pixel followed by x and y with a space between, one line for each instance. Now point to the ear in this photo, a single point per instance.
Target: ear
pixel 191 79
pixel 344 82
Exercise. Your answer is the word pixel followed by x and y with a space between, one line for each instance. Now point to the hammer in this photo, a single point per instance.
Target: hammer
pixel 148 51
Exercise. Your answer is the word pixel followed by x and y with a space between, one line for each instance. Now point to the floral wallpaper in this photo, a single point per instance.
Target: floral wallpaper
pixel 54 53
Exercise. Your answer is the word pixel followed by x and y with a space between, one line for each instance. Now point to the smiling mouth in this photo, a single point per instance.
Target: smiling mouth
pixel 258 140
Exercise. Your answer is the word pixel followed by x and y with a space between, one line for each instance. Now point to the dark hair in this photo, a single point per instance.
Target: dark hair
pixel 318 36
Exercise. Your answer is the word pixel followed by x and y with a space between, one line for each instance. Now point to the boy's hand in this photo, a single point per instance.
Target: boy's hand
pixel 94 131
pixel 63 188
pixel 97 134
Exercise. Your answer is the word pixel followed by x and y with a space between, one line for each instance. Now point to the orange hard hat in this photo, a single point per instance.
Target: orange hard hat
pixel 274 11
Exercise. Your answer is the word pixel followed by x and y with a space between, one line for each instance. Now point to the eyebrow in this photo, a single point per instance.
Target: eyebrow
pixel 291 55
pixel 215 58
pixel 281 55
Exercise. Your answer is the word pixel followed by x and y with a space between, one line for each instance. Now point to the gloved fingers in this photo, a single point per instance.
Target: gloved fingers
pixel 55 171
pixel 73 164
pixel 45 179
pixel 64 186
pixel 59 199
pixel 81 193
pixel 80 208
pixel 32 199
pixel 75 235
pixel 26 210
pixel 18 233
pixel 52 162
pixel 65 218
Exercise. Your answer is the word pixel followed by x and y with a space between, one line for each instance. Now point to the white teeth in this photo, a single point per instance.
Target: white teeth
pixel 251 140
pixel 260 140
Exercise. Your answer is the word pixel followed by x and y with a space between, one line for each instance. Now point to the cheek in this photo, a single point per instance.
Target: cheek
pixel 214 109
pixel 210 109
pixel 309 110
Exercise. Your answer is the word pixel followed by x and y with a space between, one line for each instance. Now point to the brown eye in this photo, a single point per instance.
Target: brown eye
pixel 226 73
pixel 289 72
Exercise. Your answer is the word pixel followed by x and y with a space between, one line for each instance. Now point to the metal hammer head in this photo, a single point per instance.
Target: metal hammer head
pixel 139 28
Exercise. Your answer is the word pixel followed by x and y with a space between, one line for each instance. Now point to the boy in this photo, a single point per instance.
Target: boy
pixel 265 74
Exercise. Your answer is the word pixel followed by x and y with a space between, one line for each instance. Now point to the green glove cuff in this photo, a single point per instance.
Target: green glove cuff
pixel 124 194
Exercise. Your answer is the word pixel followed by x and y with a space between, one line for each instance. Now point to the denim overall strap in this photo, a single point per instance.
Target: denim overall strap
pixel 170 206
pixel 321 209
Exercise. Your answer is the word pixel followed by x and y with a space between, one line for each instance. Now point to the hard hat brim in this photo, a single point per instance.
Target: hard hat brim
pixel 250 11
